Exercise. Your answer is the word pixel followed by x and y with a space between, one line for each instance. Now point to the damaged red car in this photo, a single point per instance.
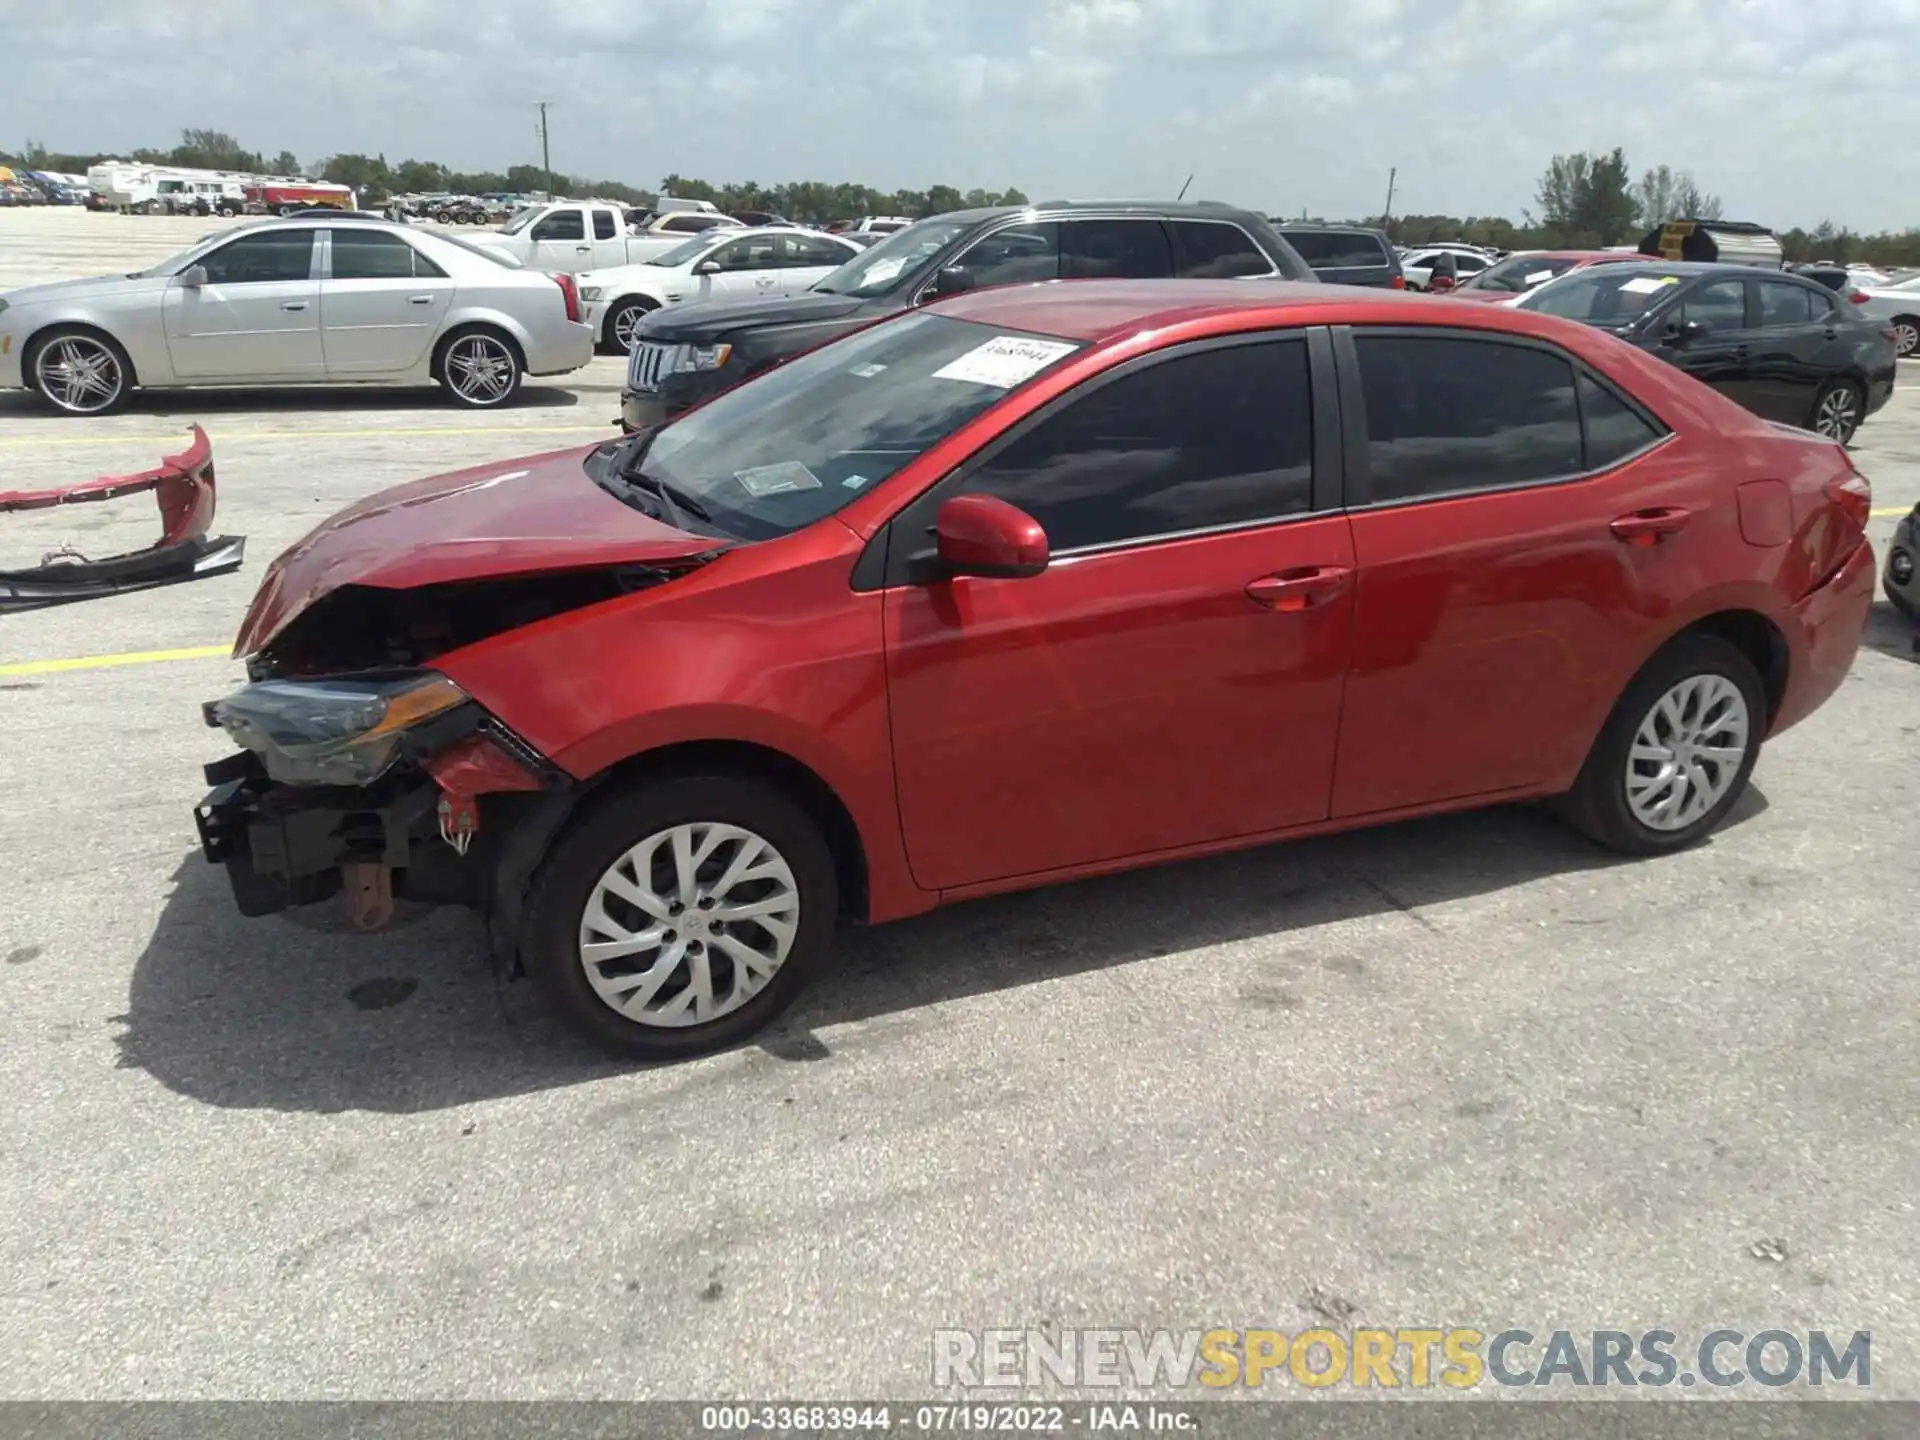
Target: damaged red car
pixel 1033 583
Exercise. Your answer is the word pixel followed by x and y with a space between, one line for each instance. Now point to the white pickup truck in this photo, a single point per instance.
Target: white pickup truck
pixel 568 237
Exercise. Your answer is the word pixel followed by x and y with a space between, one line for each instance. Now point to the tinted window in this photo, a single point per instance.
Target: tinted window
pixel 275 255
pixel 1783 304
pixel 1015 256
pixel 1614 430
pixel 562 225
pixel 1215 250
pixel 1222 437
pixel 1326 249
pixel 375 255
pixel 1114 250
pixel 1445 415
pixel 1719 306
pixel 755 252
pixel 604 227
pixel 694 223
pixel 815 250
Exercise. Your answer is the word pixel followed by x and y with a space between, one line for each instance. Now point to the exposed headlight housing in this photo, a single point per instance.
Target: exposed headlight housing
pixel 1900 567
pixel 332 732
pixel 590 293
pixel 700 357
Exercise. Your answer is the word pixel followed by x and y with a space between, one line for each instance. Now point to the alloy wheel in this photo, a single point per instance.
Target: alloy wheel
pixel 1906 337
pixel 689 925
pixel 480 369
pixel 1687 752
pixel 626 326
pixel 79 374
pixel 1839 414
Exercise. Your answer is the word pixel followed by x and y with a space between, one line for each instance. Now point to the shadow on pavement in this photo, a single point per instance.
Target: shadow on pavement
pixel 345 399
pixel 1892 633
pixel 294 1013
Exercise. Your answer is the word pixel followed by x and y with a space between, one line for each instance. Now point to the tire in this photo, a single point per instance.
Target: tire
pixel 443 216
pixel 1906 329
pixel 568 904
pixel 1697 668
pixel 464 350
pixel 1838 410
pixel 626 314
pixel 88 349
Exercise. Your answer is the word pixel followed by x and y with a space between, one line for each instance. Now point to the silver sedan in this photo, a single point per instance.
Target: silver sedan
pixel 1897 303
pixel 308 301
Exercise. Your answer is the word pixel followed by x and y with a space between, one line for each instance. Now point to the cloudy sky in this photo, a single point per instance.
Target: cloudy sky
pixel 1791 110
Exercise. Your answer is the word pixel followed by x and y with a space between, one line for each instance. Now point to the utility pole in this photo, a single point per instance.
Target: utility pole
pixel 1392 175
pixel 546 155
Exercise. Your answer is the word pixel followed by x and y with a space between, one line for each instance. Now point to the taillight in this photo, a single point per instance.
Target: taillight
pixel 1858 297
pixel 1853 496
pixel 1399 282
pixel 572 294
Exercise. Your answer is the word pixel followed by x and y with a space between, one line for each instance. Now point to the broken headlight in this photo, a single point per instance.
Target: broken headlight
pixel 332 732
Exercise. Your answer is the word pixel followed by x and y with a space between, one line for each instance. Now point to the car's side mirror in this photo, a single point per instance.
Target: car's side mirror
pixel 707 267
pixel 1685 332
pixel 985 536
pixel 954 280
pixel 194 276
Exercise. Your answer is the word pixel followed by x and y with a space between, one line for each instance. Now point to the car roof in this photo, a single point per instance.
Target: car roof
pixel 1288 226
pixel 1098 311
pixel 1708 267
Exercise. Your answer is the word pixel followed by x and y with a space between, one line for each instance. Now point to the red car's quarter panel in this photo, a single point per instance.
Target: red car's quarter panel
pixel 1116 704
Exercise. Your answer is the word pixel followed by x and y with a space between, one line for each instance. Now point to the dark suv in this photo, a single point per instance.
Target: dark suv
pixel 1347 254
pixel 683 355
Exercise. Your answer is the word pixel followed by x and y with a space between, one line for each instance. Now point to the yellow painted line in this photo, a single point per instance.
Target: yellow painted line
pixel 1897 510
pixel 101 662
pixel 235 437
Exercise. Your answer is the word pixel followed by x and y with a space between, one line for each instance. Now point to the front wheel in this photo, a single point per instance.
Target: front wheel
pixel 480 370
pixel 623 323
pixel 1838 411
pixel 1675 754
pixel 1906 337
pixel 680 916
pixel 79 372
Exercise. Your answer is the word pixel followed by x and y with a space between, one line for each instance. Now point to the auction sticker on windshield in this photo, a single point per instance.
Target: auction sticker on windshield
pixel 1005 361
pixel 1647 284
pixel 781 479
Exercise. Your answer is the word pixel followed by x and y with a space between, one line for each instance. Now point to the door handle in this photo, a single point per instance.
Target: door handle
pixel 1300 588
pixel 583 249
pixel 1650 527
pixel 419 300
pixel 293 304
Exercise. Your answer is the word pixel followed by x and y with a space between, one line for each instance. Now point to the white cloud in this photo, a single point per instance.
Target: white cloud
pixel 1792 112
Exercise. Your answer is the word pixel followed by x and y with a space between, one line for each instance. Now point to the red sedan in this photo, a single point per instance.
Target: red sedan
pixel 1033 583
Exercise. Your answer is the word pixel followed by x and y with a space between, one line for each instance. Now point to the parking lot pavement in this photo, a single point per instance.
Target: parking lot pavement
pixel 1465 1071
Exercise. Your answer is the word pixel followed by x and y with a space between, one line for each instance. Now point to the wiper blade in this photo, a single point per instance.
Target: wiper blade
pixel 677 501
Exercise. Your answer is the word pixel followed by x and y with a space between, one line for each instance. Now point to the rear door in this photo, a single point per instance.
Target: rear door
pixel 258 315
pixel 381 303
pixel 1796 346
pixel 803 259
pixel 1497 615
pixel 1159 685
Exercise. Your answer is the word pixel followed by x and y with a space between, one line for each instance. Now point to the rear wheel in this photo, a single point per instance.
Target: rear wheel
pixel 681 916
pixel 1906 336
pixel 479 369
pixel 1838 411
pixel 1675 754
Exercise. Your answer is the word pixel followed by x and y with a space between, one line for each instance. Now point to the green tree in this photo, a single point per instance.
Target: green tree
pixel 1587 199
pixel 285 163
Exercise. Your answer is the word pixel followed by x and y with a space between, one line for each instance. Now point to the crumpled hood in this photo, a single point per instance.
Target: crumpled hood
pixel 514 517
pixel 94 286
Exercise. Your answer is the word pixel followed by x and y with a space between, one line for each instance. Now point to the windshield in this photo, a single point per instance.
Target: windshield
pixel 681 254
pixel 880 269
pixel 520 221
pixel 804 440
pixel 1610 295
pixel 1519 273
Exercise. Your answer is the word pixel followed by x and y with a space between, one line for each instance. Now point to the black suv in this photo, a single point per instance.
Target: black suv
pixel 1347 254
pixel 683 355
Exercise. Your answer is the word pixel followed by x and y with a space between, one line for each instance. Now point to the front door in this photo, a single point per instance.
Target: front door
pixel 1174 677
pixel 381 304
pixel 560 244
pixel 1497 614
pixel 1722 356
pixel 257 316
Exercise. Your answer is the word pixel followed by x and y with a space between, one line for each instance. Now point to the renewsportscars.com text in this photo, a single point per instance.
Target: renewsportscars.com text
pixel 1458 1358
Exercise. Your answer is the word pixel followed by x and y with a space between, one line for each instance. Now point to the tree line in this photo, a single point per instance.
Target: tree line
pixel 1581 200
